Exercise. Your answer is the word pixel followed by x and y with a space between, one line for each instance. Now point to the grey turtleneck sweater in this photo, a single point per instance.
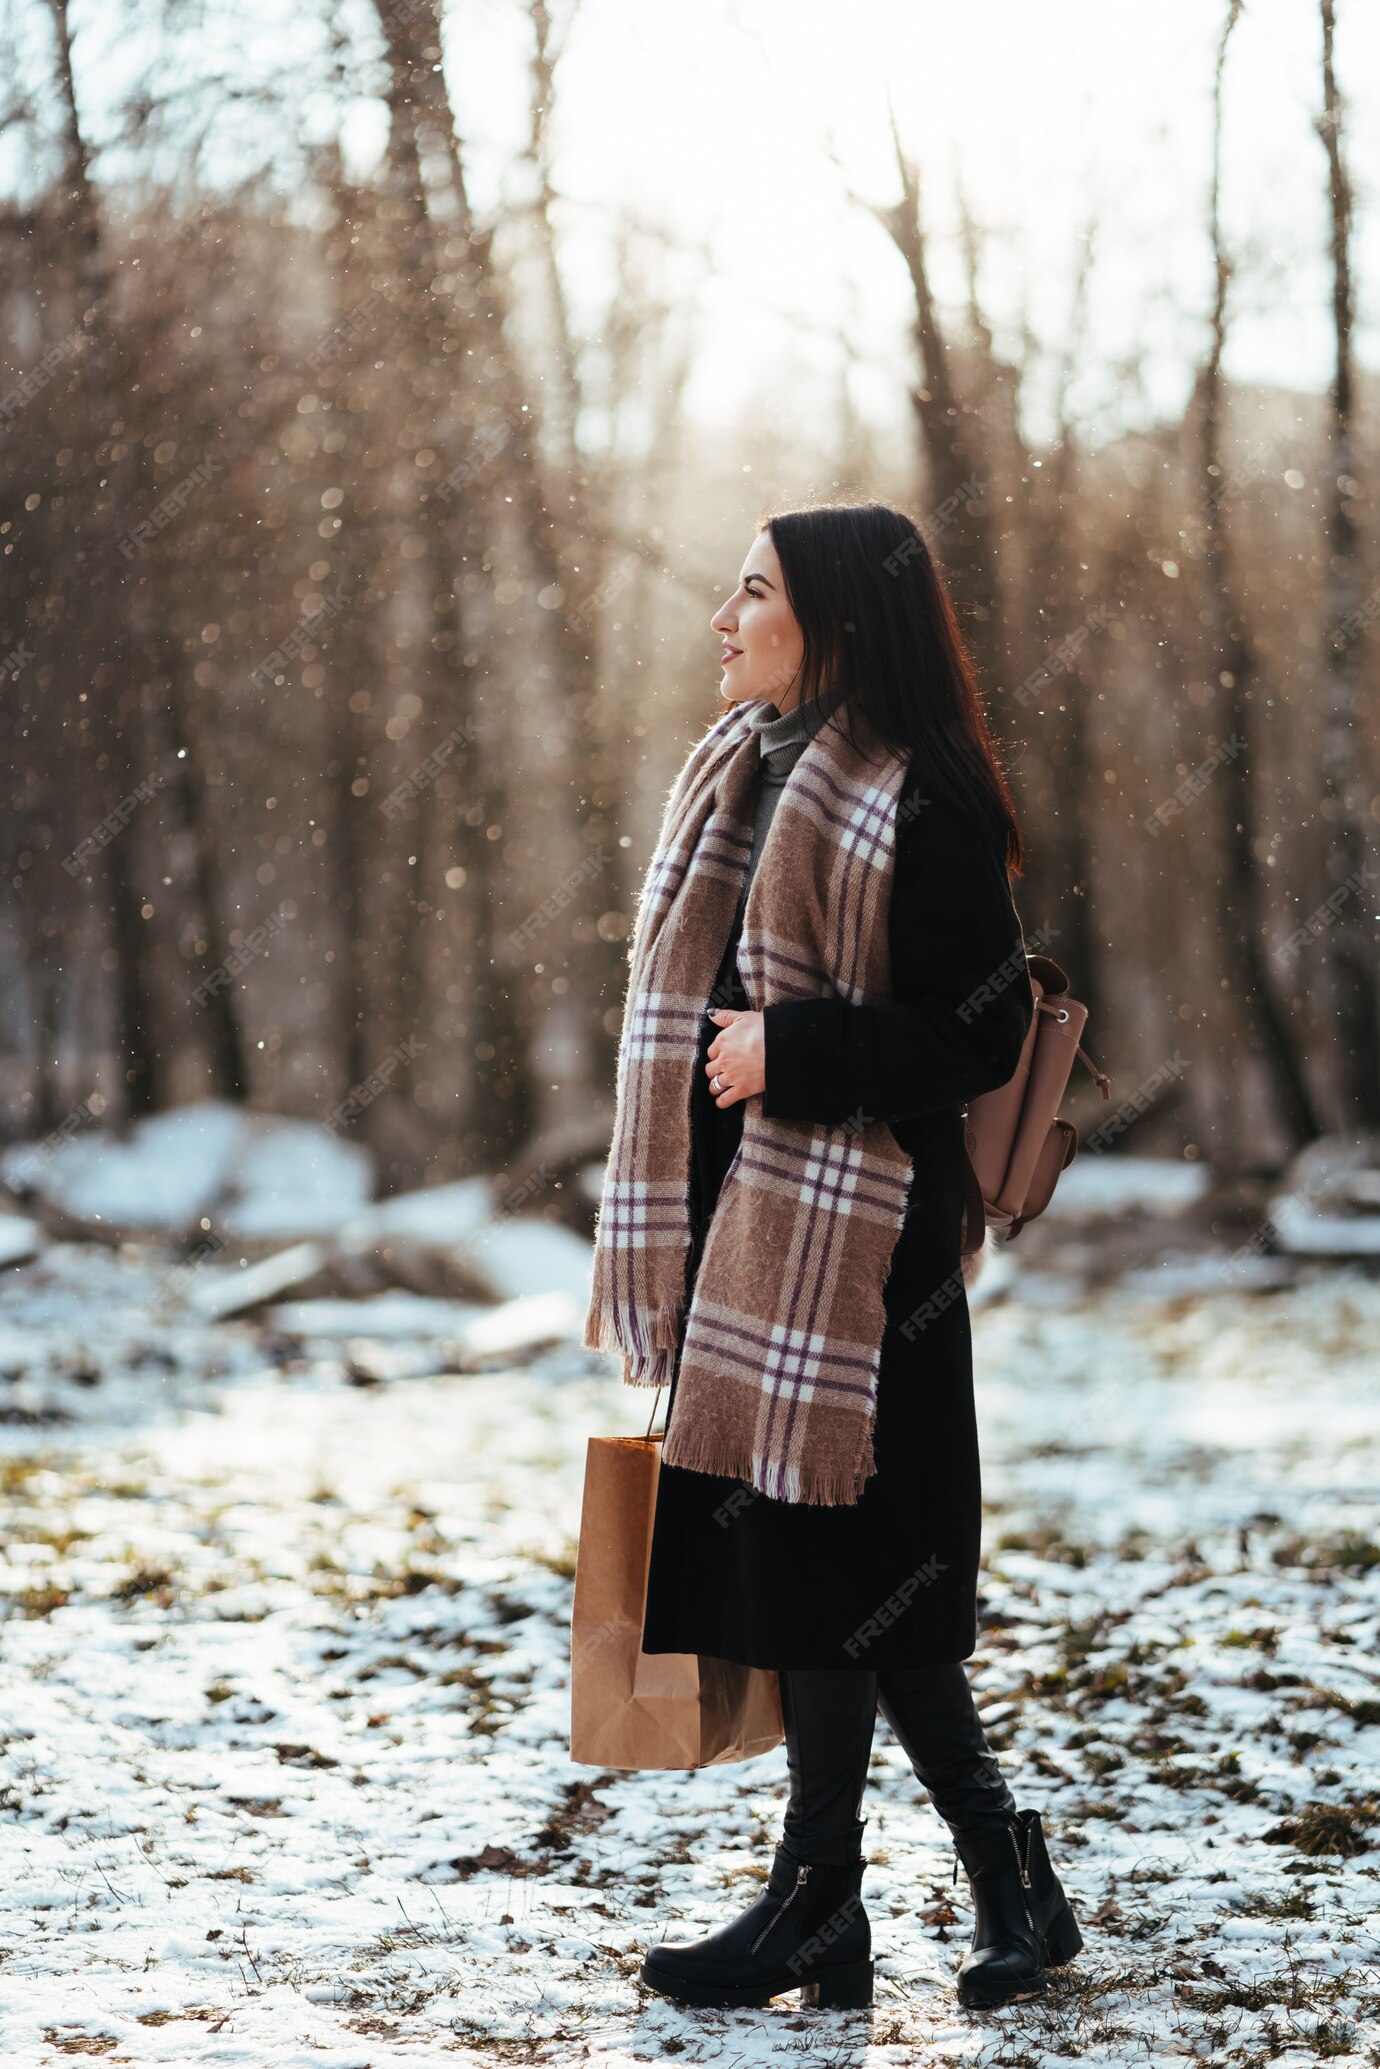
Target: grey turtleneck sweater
pixel 783 739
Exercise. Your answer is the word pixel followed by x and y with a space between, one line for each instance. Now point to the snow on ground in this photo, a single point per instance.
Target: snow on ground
pixel 284 1777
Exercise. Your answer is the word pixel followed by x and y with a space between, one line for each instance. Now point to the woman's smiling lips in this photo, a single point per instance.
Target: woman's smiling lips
pixel 729 654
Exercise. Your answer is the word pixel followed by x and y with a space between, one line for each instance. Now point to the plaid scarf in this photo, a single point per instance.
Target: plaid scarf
pixel 778 1373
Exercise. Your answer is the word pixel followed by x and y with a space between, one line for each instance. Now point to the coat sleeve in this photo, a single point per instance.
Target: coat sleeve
pixel 962 1003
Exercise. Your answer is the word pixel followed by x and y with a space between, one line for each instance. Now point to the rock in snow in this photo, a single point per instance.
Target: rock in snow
pixel 218 1291
pixel 1302 1230
pixel 214 1178
pixel 1096 1184
pixel 19 1239
pixel 382 1315
pixel 1327 1204
pixel 439 1216
pixel 525 1324
pixel 468 1335
pixel 260 1177
pixel 513 1256
pixel 165 1175
pixel 291 1179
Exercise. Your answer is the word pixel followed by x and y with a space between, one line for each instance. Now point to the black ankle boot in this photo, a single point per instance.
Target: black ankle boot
pixel 1024 1923
pixel 807 1931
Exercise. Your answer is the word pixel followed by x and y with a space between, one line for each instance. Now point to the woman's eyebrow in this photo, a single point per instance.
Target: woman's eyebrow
pixel 755 577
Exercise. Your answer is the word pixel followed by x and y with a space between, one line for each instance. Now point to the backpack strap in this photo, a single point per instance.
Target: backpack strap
pixel 1104 1083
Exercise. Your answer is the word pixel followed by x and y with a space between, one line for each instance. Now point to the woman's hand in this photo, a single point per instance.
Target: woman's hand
pixel 737 1056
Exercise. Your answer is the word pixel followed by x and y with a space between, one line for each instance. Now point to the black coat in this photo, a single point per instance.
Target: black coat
pixel 890 1581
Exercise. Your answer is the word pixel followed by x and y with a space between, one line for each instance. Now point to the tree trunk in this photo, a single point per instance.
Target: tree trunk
pixel 955 454
pixel 1240 910
pixel 1346 778
pixel 99 638
pixel 421 114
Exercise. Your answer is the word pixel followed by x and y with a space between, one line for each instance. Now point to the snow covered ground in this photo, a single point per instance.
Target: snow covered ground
pixel 283 1777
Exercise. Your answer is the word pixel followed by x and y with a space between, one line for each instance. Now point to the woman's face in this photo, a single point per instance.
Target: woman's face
pixel 763 648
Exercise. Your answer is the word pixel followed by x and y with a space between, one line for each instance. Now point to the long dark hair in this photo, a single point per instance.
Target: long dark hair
pixel 875 616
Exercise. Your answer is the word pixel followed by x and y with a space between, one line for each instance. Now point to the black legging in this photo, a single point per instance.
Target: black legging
pixel 829 1714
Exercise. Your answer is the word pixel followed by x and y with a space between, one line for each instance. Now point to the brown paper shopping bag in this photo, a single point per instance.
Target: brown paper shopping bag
pixel 629 1708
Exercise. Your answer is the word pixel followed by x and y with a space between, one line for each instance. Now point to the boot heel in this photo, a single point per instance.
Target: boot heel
pixel 848 1988
pixel 1063 1940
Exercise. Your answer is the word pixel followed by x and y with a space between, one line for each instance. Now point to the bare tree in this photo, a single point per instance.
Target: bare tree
pixel 94 633
pixel 552 677
pixel 1347 783
pixel 954 446
pixel 1241 918
pixel 1055 587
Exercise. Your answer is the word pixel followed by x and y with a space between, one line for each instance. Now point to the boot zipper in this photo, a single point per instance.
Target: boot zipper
pixel 1022 1865
pixel 1023 1870
pixel 802 1871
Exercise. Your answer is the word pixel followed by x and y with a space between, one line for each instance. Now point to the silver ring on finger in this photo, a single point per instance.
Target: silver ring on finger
pixel 714 1084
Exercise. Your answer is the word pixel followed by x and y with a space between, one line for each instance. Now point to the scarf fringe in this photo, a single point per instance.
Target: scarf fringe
pixel 810 1485
pixel 647 1340
pixel 655 1370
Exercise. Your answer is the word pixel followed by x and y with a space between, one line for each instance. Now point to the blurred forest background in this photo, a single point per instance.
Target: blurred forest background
pixel 356 597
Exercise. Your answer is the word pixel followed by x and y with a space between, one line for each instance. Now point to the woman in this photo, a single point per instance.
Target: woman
pixel 838 845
